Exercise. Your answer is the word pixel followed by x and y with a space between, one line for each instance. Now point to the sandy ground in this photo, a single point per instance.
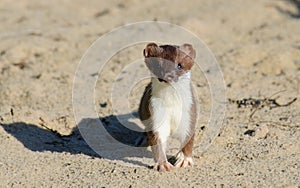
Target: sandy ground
pixel 257 46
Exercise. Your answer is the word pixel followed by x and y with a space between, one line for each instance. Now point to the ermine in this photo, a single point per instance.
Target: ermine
pixel 168 105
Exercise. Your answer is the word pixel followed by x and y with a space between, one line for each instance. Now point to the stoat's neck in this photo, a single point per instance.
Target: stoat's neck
pixel 182 87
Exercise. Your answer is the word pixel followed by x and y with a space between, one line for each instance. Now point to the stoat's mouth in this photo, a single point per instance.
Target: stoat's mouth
pixel 162 80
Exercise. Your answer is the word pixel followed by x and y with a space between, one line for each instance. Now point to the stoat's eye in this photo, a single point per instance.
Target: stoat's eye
pixel 179 66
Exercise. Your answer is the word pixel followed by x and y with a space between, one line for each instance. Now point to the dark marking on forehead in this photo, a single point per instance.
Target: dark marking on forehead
pixel 169 58
pixel 169 52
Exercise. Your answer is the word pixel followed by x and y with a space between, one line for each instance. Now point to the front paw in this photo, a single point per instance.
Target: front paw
pixel 164 166
pixel 187 161
pixel 183 161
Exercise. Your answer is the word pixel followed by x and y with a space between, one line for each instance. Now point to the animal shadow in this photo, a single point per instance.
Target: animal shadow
pixel 89 138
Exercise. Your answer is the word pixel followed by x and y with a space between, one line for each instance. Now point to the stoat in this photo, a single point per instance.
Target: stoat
pixel 168 106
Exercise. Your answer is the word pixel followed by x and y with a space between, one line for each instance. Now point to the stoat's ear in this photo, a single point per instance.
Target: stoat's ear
pixel 151 50
pixel 188 50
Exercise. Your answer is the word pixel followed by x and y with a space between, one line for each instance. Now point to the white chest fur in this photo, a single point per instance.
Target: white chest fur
pixel 171 108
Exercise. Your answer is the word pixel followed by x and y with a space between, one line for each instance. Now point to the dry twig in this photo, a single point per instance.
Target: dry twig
pixel 257 104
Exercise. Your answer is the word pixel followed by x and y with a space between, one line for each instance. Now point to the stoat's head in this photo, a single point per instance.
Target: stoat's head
pixel 169 62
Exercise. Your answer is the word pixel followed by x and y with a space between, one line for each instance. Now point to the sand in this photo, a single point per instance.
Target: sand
pixel 256 44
